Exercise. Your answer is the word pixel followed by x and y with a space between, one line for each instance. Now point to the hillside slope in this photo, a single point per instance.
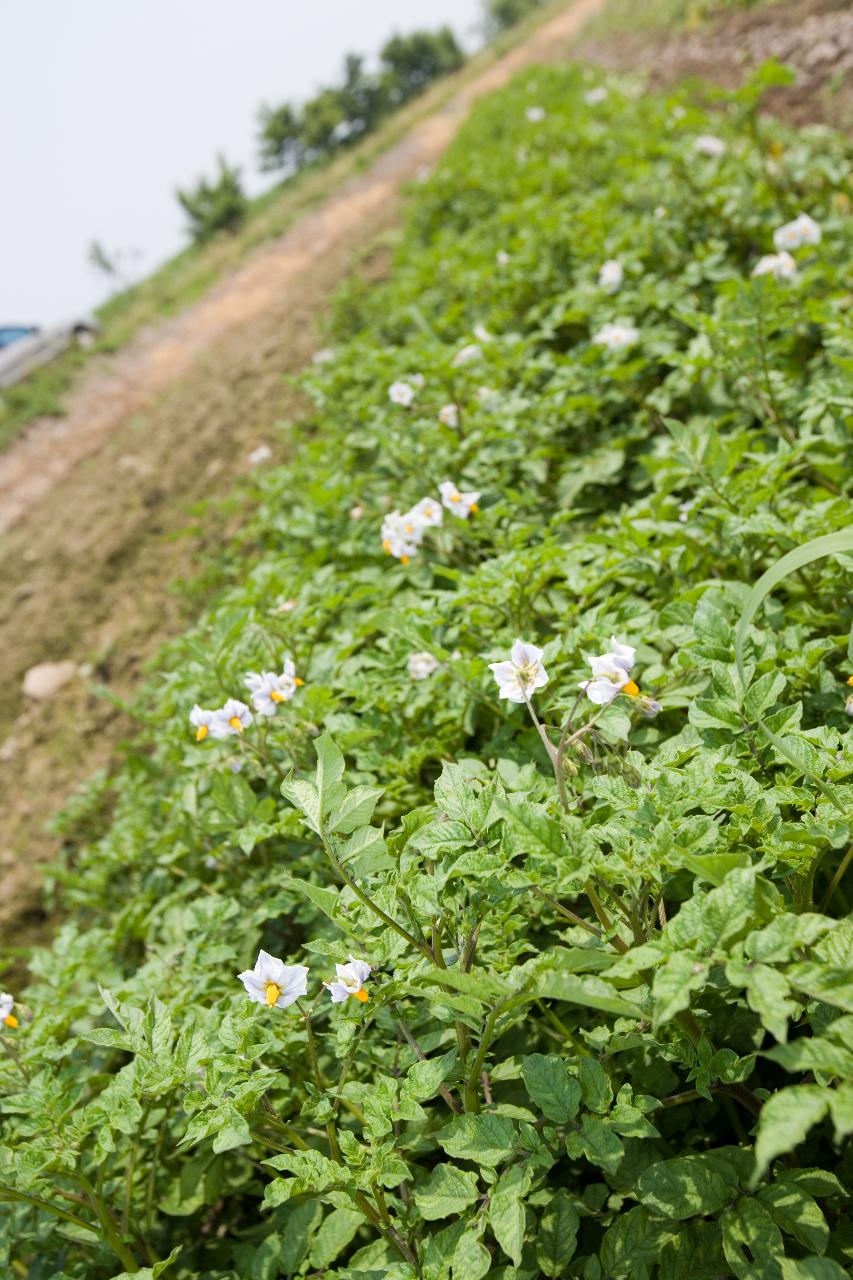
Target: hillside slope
pixel 96 508
pixel 512 937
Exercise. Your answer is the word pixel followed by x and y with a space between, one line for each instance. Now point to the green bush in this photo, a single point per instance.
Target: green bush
pixel 214 206
pixel 607 1028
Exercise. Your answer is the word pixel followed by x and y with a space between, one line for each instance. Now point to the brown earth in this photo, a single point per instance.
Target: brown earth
pixel 815 37
pixel 96 511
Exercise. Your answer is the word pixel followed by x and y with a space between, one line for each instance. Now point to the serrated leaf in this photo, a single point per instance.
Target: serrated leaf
pixel 555 1092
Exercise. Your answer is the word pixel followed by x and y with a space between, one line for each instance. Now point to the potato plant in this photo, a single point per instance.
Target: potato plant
pixel 529 836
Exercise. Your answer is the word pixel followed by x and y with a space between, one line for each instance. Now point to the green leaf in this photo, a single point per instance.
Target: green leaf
pixel 674 983
pixel 506 1210
pixel 488 1139
pixel 471 1259
pixel 686 1186
pixel 355 809
pixel 812 1269
pixel 447 1191
pixel 337 1230
pixel 557 1235
pixel 752 1242
pixel 784 1121
pixel 797 1213
pixel 152 1272
pixel 555 1092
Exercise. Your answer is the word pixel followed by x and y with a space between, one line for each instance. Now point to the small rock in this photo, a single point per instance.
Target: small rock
pixel 47 678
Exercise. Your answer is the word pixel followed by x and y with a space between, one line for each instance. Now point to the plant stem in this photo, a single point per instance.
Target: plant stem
pixel 108 1226
pixel 837 878
pixel 472 1098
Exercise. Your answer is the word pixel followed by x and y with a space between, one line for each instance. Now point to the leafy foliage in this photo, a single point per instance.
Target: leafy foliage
pixel 214 206
pixel 609 1025
pixel 291 137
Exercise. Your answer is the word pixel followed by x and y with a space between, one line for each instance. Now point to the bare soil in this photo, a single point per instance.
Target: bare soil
pixel 96 508
pixel 815 37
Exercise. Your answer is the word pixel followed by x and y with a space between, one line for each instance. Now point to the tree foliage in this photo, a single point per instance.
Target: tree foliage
pixel 214 205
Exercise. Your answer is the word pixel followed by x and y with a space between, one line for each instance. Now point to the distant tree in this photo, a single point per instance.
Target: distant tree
pixel 502 14
pixel 214 206
pixel 412 62
pixel 323 124
pixel 362 98
pixel 290 138
pixel 281 144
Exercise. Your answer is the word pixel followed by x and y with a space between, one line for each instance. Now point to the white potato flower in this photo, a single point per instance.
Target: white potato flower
pixel 461 504
pixel 274 983
pixel 207 722
pixel 269 689
pixel 781 266
pixel 349 981
pixel 709 145
pixel 616 336
pixel 426 514
pixel 611 275
pixel 502 258
pixel 848 706
pixel 593 97
pixel 466 354
pixel 324 356
pixel 482 334
pixel 793 235
pixel 401 536
pixel 522 674
pixel 7 1004
pixel 448 415
pixel 610 677
pixel 231 718
pixel 402 393
pixel 422 665
pixel 535 114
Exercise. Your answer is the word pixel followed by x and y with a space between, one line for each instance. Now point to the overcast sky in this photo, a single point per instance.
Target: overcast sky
pixel 107 105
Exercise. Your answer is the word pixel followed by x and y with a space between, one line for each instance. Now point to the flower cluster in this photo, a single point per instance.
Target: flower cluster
pixel 402 532
pixel 781 266
pixel 794 235
pixel 268 689
pixel 277 985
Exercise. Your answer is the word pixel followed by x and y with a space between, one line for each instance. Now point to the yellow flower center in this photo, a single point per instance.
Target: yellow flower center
pixel 386 545
pixel 361 995
pixel 850 680
pixel 404 559
pixel 408 528
pixel 236 724
pixel 474 507
pixel 273 991
pixel 631 689
pixel 456 497
pixel 202 733
pixel 11 1021
pixel 276 696
pixel 297 680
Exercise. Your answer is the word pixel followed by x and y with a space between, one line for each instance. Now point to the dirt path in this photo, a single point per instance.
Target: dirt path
pixel 96 508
